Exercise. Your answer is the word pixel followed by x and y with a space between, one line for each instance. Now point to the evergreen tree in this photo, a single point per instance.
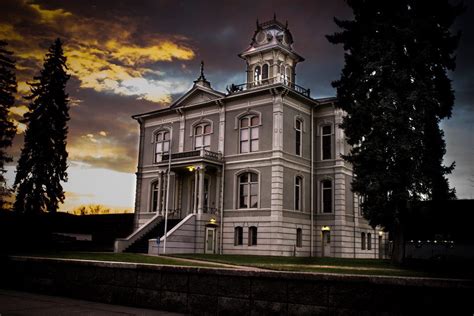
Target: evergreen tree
pixel 395 90
pixel 7 99
pixel 43 161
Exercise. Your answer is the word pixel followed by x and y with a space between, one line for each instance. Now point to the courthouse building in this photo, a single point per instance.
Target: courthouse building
pixel 253 170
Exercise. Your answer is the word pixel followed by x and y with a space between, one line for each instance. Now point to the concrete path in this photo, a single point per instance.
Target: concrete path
pixel 26 304
pixel 217 264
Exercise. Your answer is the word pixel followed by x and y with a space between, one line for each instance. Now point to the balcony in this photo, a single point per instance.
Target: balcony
pixel 194 155
pixel 265 82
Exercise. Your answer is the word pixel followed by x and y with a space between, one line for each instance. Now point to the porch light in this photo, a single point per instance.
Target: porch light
pixel 212 221
pixel 191 168
pixel 380 233
pixel 325 228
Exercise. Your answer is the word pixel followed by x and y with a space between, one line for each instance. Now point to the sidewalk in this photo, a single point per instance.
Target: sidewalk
pixel 22 303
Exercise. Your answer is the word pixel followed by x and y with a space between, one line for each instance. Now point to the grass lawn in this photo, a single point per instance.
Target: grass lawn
pixel 329 265
pixel 117 257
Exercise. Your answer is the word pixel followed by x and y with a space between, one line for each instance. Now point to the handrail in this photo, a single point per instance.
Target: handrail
pixel 203 153
pixel 233 88
pixel 123 243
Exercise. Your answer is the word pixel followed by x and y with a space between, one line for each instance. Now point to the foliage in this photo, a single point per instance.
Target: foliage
pixel 395 90
pixel 43 161
pixel 8 87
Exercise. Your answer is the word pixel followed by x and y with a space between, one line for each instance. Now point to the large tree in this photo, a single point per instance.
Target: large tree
pixel 43 161
pixel 7 100
pixel 395 90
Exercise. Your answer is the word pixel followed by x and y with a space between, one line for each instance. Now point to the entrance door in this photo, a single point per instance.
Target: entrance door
pixel 326 244
pixel 210 240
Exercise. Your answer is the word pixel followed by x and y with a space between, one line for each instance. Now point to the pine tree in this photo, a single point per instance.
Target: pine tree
pixel 7 100
pixel 43 161
pixel 395 90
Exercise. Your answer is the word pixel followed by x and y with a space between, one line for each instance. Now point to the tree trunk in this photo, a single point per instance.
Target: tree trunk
pixel 398 249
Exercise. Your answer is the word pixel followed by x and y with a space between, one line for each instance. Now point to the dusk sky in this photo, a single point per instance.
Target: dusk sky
pixel 127 57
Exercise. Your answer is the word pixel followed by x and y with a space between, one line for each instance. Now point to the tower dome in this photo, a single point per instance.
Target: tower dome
pixel 270 56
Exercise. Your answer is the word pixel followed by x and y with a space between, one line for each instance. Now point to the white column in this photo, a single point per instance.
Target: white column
pixel 196 177
pixel 158 201
pixel 182 124
pixel 201 190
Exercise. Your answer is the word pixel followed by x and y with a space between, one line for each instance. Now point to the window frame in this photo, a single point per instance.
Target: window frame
pixel 202 125
pixel 369 241
pixel 253 236
pixel 362 241
pixel 163 131
pixel 299 137
pixel 249 128
pixel 328 137
pixel 298 187
pixel 238 236
pixel 322 192
pixel 257 75
pixel 154 197
pixel 299 237
pixel 249 184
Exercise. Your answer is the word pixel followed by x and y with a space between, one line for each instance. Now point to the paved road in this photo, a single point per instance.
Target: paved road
pixel 26 304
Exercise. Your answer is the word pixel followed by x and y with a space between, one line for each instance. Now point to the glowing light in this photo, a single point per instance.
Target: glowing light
pixel 326 228
pixel 191 168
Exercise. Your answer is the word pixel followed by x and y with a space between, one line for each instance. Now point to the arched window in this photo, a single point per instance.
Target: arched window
pixel 252 236
pixel 369 241
pixel 154 197
pixel 202 136
pixel 326 196
pixel 257 75
pixel 162 141
pixel 299 237
pixel 249 133
pixel 298 193
pixel 326 140
pixel 362 241
pixel 248 190
pixel 265 73
pixel 298 137
pixel 287 75
pixel 238 236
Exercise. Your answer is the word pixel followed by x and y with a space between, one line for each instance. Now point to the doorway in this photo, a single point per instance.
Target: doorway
pixel 326 244
pixel 210 246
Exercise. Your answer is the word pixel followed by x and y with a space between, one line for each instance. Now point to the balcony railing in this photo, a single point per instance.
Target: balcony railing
pixel 200 153
pixel 275 80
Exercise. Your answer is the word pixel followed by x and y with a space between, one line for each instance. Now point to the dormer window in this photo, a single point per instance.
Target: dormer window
pixel 162 141
pixel 202 136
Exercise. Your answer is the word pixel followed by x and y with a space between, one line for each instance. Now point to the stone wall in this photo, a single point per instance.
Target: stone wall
pixel 207 291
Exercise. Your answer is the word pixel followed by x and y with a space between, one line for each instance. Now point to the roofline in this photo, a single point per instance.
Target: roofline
pixel 300 58
pixel 315 102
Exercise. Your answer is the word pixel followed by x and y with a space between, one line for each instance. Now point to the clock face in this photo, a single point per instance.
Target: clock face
pixel 260 38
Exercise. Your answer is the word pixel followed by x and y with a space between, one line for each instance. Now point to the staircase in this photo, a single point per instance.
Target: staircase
pixel 141 245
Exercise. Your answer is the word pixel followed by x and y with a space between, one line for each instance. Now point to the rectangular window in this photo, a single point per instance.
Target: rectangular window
pixel 238 236
pixel 369 241
pixel 299 237
pixel 326 142
pixel 362 241
pixel 298 127
pixel 326 192
pixel 252 236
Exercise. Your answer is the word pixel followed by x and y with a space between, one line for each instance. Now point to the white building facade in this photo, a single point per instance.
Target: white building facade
pixel 256 170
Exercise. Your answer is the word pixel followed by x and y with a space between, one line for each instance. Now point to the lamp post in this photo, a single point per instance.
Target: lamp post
pixel 168 191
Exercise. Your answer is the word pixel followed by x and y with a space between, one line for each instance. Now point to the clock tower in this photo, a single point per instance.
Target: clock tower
pixel 270 57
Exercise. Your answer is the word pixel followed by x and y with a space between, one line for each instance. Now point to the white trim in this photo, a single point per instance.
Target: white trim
pixel 201 121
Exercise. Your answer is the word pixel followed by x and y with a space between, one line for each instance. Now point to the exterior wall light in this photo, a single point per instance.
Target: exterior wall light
pixel 325 228
pixel 191 168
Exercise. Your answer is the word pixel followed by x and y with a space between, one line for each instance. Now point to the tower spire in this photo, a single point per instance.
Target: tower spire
pixel 201 80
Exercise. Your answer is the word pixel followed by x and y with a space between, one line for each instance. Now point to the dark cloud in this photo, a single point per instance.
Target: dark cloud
pixel 215 31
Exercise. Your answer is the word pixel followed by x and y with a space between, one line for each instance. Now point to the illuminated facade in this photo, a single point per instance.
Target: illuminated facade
pixel 255 170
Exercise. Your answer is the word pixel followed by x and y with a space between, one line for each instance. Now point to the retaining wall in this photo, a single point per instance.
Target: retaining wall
pixel 208 291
